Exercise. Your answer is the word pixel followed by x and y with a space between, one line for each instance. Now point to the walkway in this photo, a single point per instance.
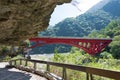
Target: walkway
pixel 15 74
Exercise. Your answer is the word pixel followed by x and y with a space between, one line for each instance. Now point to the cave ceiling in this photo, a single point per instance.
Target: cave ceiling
pixel 22 19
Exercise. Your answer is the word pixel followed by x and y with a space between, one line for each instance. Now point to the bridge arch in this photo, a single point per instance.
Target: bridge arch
pixel 42 44
pixel 91 46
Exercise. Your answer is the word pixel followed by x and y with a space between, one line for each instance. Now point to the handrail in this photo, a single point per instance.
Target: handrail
pixel 88 70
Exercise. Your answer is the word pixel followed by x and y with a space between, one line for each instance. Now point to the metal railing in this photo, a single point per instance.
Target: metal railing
pixel 88 70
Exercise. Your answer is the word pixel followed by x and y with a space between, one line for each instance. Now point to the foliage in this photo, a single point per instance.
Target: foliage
pixel 5 58
pixel 50 48
pixel 9 52
pixel 79 26
pixel 115 47
pixel 106 55
pixel 112 30
pixel 77 58
pixel 113 10
pixel 17 57
pixel 4 50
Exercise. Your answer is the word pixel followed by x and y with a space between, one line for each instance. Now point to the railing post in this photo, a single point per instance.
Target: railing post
pixel 20 61
pixel 48 67
pixel 10 63
pixel 35 66
pixel 64 77
pixel 87 76
pixel 15 62
pixel 26 62
pixel 91 77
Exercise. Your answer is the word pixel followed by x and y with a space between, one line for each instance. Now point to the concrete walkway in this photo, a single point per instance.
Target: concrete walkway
pixel 15 74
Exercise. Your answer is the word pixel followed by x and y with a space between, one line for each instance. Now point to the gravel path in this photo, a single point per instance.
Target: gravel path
pixel 15 74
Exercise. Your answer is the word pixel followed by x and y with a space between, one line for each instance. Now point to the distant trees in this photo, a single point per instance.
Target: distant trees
pixel 112 30
pixel 79 26
pixel 8 52
pixel 4 50
pixel 113 7
pixel 115 47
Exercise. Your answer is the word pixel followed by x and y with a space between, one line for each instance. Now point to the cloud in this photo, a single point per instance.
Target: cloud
pixel 84 5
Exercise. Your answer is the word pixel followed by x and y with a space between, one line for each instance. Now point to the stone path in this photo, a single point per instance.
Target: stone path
pixel 15 74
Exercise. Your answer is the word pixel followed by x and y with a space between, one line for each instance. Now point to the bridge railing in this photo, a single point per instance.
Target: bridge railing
pixel 88 70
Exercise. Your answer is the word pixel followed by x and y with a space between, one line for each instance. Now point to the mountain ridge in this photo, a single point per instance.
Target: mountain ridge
pixel 98 6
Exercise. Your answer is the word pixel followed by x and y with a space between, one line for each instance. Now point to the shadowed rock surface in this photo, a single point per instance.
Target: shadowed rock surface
pixel 22 19
pixel 15 74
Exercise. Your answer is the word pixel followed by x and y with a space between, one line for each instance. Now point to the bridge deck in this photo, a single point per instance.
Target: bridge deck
pixel 15 74
pixel 67 37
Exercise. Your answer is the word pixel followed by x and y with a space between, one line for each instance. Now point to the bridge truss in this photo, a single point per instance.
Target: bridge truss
pixel 91 46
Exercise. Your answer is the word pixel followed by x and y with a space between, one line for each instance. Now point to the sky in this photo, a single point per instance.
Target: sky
pixel 73 9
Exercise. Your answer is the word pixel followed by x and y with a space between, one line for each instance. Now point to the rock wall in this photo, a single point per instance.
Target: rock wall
pixel 22 19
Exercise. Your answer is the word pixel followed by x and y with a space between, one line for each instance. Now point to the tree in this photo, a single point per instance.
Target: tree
pixel 115 47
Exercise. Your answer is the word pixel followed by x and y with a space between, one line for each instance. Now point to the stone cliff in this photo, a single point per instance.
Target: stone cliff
pixel 22 19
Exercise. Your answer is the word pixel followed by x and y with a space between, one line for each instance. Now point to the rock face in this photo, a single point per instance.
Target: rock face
pixel 22 19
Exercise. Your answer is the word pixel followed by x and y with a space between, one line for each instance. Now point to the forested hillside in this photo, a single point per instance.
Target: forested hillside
pixel 112 30
pixel 79 26
pixel 82 25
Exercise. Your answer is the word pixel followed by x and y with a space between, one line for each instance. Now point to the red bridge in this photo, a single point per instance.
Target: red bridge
pixel 91 46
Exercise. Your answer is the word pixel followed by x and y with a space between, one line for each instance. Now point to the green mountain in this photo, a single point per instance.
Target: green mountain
pixel 113 8
pixel 112 30
pixel 81 25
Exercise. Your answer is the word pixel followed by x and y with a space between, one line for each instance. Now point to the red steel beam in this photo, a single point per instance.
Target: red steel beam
pixel 91 46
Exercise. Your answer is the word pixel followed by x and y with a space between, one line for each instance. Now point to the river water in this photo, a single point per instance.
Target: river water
pixel 45 57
